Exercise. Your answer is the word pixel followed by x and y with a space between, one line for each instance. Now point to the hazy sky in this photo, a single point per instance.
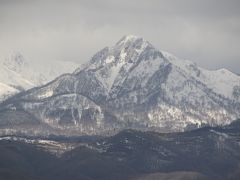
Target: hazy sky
pixel 204 31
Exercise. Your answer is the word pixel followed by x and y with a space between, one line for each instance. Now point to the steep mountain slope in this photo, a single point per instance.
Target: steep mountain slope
pixel 220 81
pixel 130 85
pixel 17 74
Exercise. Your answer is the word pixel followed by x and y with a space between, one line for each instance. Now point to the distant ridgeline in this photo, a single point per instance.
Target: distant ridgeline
pixel 204 154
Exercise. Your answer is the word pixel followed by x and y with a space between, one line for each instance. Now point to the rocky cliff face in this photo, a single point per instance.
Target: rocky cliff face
pixel 130 85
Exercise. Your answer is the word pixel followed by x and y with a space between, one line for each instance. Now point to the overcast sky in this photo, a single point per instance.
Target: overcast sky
pixel 204 31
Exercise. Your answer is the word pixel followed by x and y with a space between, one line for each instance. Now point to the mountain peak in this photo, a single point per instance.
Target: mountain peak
pixel 131 39
pixel 15 62
pixel 127 49
pixel 128 38
pixel 130 48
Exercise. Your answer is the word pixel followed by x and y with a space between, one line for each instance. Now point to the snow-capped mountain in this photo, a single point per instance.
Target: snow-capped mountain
pixel 17 74
pixel 129 85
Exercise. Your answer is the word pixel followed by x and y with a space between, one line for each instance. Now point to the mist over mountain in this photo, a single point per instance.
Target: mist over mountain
pixel 19 74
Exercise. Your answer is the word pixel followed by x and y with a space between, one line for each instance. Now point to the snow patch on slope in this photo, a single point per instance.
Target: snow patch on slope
pixel 45 94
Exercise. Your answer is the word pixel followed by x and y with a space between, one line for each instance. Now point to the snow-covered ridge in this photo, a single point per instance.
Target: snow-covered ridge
pixel 17 73
pixel 110 63
pixel 221 81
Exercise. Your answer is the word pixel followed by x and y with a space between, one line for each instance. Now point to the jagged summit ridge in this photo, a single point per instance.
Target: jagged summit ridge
pixel 113 63
pixel 129 38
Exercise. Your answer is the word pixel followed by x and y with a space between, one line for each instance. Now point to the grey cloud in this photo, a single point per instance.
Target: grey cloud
pixel 207 31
